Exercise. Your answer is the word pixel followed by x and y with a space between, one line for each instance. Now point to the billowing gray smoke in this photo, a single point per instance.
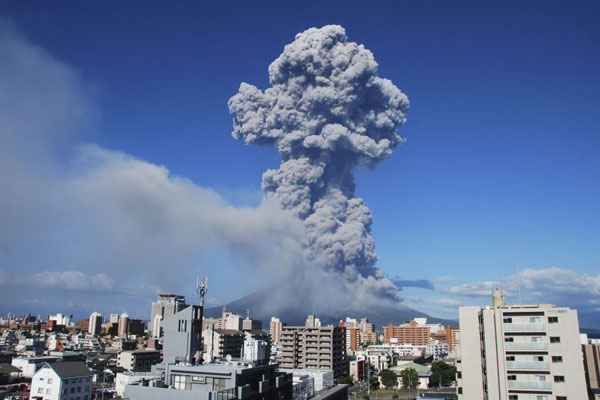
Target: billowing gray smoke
pixel 328 112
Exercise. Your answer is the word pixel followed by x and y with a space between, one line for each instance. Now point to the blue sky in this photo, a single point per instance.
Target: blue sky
pixel 500 170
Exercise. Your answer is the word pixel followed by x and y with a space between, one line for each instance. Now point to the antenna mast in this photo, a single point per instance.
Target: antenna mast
pixel 201 289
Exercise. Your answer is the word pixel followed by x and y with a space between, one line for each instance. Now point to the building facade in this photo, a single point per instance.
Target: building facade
pixel 519 352
pixel 95 324
pixel 68 380
pixel 314 347
pixel 411 333
pixel 275 330
pixel 591 359
pixel 183 336
pixel 138 360
pixel 166 306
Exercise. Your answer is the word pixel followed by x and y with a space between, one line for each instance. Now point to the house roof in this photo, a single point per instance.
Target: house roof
pixel 70 369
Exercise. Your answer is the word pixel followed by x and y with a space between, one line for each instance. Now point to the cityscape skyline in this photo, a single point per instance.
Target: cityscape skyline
pixel 118 171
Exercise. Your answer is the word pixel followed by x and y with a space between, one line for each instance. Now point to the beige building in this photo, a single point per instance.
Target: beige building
pixel 591 359
pixel 519 352
pixel 219 343
pixel 275 330
pixel 138 360
pixel 313 347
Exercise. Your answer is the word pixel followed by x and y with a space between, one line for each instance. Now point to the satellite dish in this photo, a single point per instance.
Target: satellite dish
pixel 228 357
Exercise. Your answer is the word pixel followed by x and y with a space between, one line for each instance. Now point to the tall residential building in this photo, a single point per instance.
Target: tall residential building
pixel 313 347
pixel 95 323
pixel 518 352
pixel 352 334
pixel 591 359
pixel 414 332
pixel 122 329
pixel 166 306
pixel 275 330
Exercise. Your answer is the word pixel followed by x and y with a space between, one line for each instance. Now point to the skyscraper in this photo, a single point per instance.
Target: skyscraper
pixel 95 323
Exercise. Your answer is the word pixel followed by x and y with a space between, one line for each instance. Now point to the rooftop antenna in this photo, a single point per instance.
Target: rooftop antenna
pixel 518 284
pixel 201 289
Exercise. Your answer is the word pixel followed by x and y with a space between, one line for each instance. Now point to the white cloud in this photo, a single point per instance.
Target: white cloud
pixel 556 285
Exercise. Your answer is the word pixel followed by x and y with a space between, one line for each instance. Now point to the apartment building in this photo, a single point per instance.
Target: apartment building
pixel 591 359
pixel 275 330
pixel 413 333
pixel 314 347
pixel 519 352
pixel 138 360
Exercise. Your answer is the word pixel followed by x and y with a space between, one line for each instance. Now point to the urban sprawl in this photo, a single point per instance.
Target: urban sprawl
pixel 499 351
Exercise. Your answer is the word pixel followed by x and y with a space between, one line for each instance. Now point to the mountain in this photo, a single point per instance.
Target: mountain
pixel 262 306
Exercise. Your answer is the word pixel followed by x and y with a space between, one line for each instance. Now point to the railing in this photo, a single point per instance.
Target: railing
pixel 534 365
pixel 529 385
pixel 525 327
pixel 525 346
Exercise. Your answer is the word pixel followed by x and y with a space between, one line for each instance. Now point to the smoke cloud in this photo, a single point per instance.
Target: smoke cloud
pixel 327 111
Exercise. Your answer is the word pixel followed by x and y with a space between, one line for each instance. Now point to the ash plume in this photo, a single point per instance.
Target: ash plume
pixel 328 112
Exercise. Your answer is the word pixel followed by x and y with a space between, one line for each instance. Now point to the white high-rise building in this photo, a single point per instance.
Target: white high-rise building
pixel 519 352
pixel 95 323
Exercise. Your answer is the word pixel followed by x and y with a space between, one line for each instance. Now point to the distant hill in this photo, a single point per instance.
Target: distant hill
pixel 262 307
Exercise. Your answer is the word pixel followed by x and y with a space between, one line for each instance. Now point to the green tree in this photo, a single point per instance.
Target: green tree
pixel 389 379
pixel 442 374
pixel 410 378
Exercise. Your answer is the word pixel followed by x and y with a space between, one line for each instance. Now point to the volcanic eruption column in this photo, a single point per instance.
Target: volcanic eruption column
pixel 328 112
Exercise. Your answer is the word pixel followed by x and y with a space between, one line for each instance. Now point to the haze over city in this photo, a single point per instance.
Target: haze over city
pixel 125 171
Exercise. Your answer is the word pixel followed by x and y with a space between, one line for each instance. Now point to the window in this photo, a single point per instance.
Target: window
pixel 460 390
pixel 554 339
pixel 510 358
pixel 508 320
pixel 459 374
pixel 509 339
pixel 539 358
pixel 48 391
pixel 559 378
pixel 72 390
pixel 556 359
pixel 513 397
pixel 49 381
pixel 512 377
pixel 552 320
pixel 561 397
pixel 40 390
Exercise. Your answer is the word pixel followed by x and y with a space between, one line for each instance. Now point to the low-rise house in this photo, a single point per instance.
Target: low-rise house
pixel 65 380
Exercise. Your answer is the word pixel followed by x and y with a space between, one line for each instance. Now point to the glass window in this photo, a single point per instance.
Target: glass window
pixel 49 380
pixel 554 339
pixel 559 378
pixel 557 359
pixel 553 320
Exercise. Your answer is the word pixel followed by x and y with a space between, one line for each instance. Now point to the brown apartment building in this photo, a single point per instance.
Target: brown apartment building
pixel 591 363
pixel 410 333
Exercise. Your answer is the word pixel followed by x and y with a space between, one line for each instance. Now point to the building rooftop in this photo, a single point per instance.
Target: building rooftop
pixel 70 369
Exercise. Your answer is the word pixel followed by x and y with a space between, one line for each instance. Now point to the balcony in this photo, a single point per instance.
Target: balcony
pixel 524 327
pixel 530 385
pixel 525 346
pixel 528 365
